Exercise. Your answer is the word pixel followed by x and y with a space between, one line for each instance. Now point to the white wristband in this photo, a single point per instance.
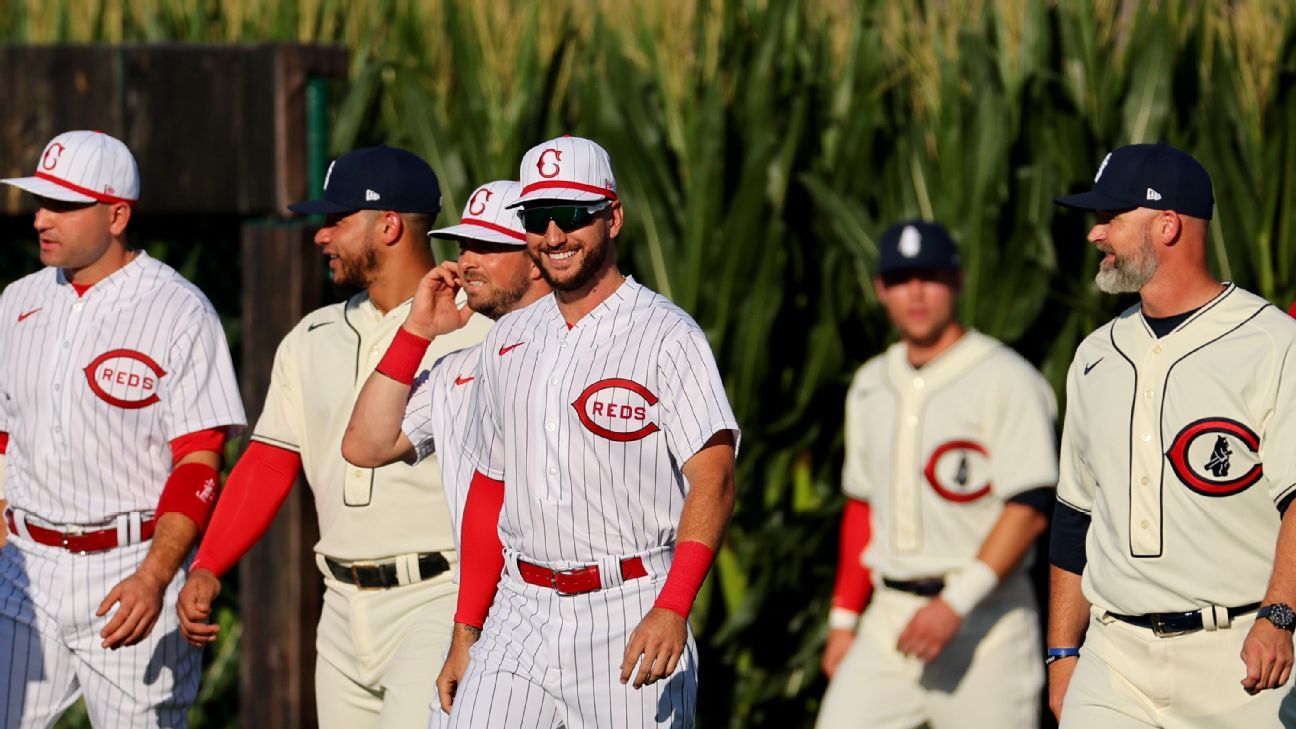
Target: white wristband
pixel 969 586
pixel 842 619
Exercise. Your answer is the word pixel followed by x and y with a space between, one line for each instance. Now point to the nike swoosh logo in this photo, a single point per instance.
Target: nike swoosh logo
pixel 463 380
pixel 510 348
pixel 33 311
pixel 1093 365
pixel 317 325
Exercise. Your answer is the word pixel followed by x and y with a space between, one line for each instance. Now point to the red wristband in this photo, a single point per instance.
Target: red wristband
pixel 190 490
pixel 404 356
pixel 688 570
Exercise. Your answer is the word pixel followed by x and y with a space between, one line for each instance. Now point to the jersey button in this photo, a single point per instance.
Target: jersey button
pixel 78 306
pixel 554 382
pixel 553 470
pixel 1148 394
pixel 1144 480
pixel 918 383
pixel 911 421
pixel 1156 349
pixel 358 473
pixel 1147 437
pixel 550 427
pixel 1145 524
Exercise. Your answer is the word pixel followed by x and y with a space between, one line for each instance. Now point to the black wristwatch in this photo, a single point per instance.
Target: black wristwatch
pixel 1280 614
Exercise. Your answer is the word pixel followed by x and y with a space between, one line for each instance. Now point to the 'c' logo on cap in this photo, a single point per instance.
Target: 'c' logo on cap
pixel 476 207
pixel 540 164
pixel 52 154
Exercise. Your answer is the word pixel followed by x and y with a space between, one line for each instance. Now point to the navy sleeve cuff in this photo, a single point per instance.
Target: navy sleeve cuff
pixel 1067 541
pixel 1040 499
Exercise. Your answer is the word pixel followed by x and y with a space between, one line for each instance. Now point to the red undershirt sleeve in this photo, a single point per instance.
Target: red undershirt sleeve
pixel 256 488
pixel 854 584
pixel 212 439
pixel 481 556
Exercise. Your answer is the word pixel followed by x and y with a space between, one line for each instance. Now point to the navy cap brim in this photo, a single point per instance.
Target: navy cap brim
pixel 1093 200
pixel 320 207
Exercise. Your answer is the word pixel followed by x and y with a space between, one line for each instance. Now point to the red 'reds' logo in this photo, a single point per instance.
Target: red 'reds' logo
pixel 475 206
pixel 617 409
pixel 540 163
pixel 125 378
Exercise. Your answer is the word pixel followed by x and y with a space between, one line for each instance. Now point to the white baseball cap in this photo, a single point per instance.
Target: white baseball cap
pixel 487 217
pixel 84 166
pixel 567 168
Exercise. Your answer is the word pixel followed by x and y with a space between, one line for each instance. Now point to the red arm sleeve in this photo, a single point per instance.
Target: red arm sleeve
pixel 256 487
pixel 212 439
pixel 4 442
pixel 482 554
pixel 854 583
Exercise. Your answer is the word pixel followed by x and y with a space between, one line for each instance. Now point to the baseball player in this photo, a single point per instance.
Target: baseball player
pixel 949 473
pixel 403 417
pixel 602 410
pixel 116 396
pixel 386 548
pixel 1174 563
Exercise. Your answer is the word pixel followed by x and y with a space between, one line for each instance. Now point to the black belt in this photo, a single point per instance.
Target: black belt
pixel 926 586
pixel 1166 625
pixel 380 575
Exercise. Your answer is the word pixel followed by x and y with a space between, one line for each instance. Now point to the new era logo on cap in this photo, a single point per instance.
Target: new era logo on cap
pixel 370 196
pixel 487 217
pixel 567 168
pixel 84 167
pixel 1153 194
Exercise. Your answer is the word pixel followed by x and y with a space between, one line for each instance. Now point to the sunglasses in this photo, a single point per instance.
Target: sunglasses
pixel 567 217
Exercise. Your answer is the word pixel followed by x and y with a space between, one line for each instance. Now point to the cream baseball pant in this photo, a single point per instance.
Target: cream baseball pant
pixel 989 676
pixel 1128 678
pixel 379 653
pixel 51 651
pixel 546 660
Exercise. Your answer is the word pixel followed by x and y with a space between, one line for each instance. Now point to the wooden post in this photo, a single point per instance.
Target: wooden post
pixel 280 589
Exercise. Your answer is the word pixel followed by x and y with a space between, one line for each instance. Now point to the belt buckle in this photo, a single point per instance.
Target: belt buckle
pixel 71 531
pixel 358 582
pixel 569 572
pixel 1160 630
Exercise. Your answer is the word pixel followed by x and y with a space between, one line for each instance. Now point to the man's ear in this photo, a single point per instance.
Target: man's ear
pixel 119 215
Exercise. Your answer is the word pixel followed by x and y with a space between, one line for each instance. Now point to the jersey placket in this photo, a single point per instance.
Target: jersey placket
pixel 911 392
pixel 555 363
pixel 70 349
pixel 1146 454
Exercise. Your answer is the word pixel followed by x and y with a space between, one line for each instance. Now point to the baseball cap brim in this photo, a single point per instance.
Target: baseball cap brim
pixel 42 187
pixel 481 230
pixel 1093 200
pixel 320 207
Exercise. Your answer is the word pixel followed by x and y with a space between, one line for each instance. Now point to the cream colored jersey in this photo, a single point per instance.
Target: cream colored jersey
pixel 1179 448
pixel 937 450
pixel 364 513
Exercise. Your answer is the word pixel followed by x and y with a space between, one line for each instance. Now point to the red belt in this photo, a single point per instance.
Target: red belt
pixel 576 580
pixel 100 540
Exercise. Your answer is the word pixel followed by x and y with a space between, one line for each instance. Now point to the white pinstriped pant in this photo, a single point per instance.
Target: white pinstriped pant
pixel 546 661
pixel 50 649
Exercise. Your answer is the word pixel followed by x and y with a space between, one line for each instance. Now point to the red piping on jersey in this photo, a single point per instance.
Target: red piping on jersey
pixel 101 197
pixel 564 185
pixel 492 226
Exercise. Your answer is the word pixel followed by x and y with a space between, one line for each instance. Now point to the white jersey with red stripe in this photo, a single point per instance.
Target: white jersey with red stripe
pixel 94 388
pixel 437 421
pixel 588 426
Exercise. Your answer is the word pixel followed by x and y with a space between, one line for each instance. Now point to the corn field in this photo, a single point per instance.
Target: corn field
pixel 761 146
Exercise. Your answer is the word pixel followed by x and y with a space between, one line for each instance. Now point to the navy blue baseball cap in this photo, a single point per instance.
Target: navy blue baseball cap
pixel 377 178
pixel 1154 176
pixel 914 245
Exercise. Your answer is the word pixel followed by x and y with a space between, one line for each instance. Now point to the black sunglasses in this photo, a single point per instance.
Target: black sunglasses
pixel 568 217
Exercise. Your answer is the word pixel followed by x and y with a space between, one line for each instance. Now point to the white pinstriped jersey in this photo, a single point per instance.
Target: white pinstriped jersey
pixel 1180 448
pixel 319 369
pixel 437 421
pixel 588 426
pixel 937 450
pixel 94 388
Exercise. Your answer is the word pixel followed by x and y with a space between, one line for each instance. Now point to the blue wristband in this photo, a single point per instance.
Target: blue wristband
pixel 1057 654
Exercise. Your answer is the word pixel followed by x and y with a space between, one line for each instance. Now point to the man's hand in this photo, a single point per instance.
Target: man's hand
pixel 1267 654
pixel 456 664
pixel 659 639
pixel 433 311
pixel 929 630
pixel 140 598
pixel 4 524
pixel 1059 678
pixel 195 607
pixel 839 642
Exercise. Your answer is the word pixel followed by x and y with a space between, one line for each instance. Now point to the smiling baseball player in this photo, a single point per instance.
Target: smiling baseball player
pixel 386 547
pixel 1174 552
pixel 950 465
pixel 116 395
pixel 604 453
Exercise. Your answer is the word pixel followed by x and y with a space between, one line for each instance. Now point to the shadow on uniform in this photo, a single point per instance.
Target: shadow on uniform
pixel 669 702
pixel 18 636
